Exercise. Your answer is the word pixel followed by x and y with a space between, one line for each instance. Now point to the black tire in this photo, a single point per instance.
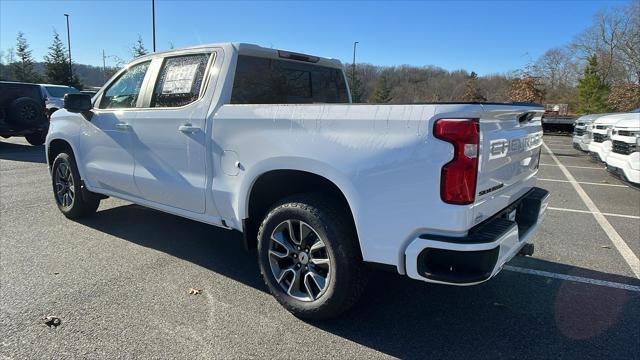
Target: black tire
pixel 25 112
pixel 80 202
pixel 346 274
pixel 36 138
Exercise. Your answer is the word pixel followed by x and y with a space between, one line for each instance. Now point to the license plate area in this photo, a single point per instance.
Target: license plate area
pixel 524 212
pixel 511 215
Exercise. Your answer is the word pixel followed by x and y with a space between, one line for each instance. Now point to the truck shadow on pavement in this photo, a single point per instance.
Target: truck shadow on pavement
pixel 512 316
pixel 20 152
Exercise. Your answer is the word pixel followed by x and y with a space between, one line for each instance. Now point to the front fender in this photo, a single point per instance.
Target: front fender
pixel 65 126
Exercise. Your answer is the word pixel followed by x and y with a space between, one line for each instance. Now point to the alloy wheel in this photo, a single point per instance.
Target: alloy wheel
pixel 65 191
pixel 299 260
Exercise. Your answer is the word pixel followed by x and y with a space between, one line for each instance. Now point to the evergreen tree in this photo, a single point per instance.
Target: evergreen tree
pixel 138 48
pixel 56 63
pixel 22 69
pixel 592 90
pixel 472 90
pixel 355 85
pixel 381 92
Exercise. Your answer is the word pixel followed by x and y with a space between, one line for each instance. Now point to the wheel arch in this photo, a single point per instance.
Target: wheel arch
pixel 56 146
pixel 274 184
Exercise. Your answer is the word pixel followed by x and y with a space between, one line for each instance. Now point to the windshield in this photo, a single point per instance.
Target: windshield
pixel 61 91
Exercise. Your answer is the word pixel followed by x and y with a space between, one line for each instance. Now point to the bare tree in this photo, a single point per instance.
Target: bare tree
pixel 557 68
pixel 526 89
pixel 624 96
pixel 614 40
pixel 630 42
pixel 9 56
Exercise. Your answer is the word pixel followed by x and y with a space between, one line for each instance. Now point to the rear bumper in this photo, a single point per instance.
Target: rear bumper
pixel 481 254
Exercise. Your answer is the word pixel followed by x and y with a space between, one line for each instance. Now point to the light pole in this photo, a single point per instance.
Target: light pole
pixel 104 63
pixel 153 16
pixel 104 67
pixel 353 69
pixel 69 47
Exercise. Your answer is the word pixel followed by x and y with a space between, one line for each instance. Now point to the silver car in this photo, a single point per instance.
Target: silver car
pixel 54 96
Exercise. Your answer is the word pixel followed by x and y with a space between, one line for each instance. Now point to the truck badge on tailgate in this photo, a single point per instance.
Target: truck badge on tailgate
pixel 503 147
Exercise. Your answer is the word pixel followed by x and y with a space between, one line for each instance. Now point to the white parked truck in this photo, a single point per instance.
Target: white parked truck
pixel 600 134
pixel 581 131
pixel 624 158
pixel 266 142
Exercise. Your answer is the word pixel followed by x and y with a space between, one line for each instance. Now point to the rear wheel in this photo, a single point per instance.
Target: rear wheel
pixel 25 112
pixel 73 201
pixel 309 257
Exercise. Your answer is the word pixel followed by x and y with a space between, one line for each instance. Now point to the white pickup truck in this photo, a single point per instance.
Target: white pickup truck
pixel 624 158
pixel 582 130
pixel 600 134
pixel 266 142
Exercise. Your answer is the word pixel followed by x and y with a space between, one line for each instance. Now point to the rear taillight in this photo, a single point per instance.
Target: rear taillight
pixel 458 176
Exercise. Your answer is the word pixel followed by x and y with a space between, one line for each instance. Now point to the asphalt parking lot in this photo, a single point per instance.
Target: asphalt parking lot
pixel 119 283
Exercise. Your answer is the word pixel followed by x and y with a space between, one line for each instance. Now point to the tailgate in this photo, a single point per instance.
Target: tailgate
pixel 510 142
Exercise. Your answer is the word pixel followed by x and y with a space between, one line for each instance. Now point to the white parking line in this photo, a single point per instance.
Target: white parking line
pixel 579 279
pixel 577 167
pixel 582 182
pixel 613 235
pixel 590 212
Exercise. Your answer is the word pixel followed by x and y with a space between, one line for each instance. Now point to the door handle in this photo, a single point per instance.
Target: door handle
pixel 188 128
pixel 123 126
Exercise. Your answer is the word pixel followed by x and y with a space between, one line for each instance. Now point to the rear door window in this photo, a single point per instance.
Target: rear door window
pixel 180 80
pixel 274 81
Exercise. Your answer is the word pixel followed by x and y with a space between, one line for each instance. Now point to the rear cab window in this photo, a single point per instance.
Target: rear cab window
pixel 274 81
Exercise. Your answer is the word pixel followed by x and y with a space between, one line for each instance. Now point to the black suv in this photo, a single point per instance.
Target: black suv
pixel 22 112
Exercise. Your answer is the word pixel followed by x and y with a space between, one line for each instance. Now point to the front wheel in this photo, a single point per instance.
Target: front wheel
pixel 73 201
pixel 309 257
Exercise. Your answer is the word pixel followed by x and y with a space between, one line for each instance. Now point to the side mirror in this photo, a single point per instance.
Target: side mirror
pixel 78 103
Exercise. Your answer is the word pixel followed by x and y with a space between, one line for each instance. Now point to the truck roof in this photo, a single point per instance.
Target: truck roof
pixel 55 85
pixel 591 117
pixel 630 122
pixel 254 50
pixel 614 118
